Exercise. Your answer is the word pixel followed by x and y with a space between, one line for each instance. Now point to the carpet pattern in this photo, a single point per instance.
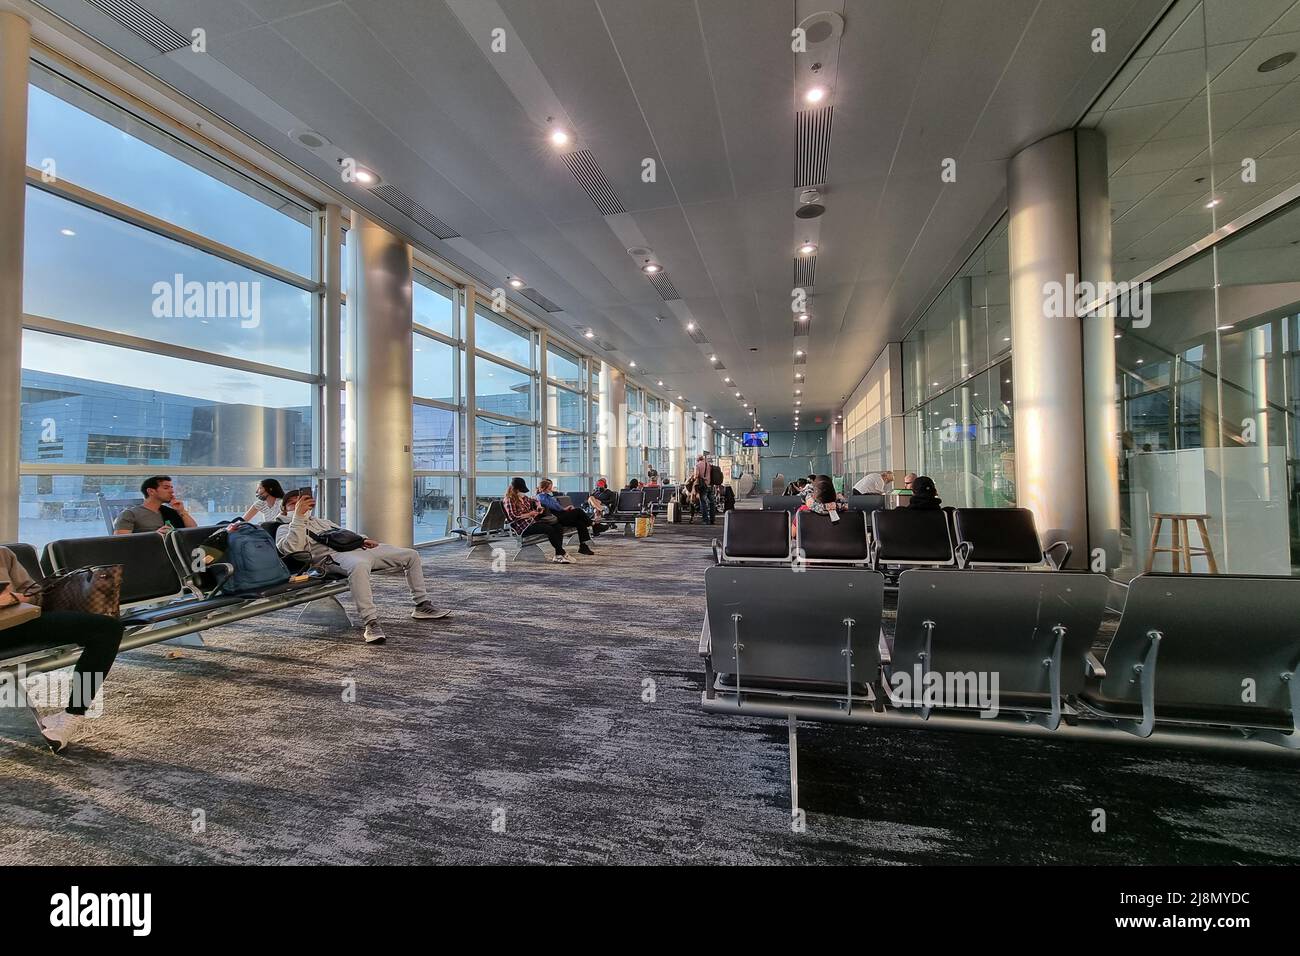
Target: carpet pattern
pixel 516 732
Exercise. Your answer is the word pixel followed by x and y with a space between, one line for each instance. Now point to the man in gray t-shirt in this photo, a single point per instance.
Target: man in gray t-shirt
pixel 160 507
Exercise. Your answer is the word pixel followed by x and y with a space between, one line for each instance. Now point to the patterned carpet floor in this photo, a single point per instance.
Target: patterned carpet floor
pixel 516 731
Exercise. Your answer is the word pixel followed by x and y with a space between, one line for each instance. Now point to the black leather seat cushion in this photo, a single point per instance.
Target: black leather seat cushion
pixel 999 535
pixel 865 502
pixel 823 539
pixel 757 534
pixel 177 609
pixel 148 572
pixel 905 535
pixel 786 503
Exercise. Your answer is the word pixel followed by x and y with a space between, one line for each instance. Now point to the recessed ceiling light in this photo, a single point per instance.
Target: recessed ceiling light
pixel 1212 203
pixel 727 381
pixel 713 358
pixel 67 232
pixel 680 399
pixel 633 364
pixel 1006 338
pixel 1119 335
pixel 1224 328
pixel 798 353
pixel 559 137
pixel 808 248
pixel 804 316
pixel 1276 62
pixel 1140 361
pixel 366 177
pixel 815 94
pixel 934 384
pixel 738 395
pixel 515 282
pixel 1006 381
pixel 690 326
pixel 650 268
pixel 661 383
pixel 798 403
pixel 798 391
pixel 589 334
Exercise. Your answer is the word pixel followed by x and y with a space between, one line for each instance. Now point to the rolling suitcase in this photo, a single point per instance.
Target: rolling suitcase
pixel 674 513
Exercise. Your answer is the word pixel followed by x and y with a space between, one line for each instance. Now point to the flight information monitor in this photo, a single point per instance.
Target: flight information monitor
pixel 754 439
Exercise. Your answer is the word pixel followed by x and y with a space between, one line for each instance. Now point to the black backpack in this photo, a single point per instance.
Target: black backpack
pixel 715 475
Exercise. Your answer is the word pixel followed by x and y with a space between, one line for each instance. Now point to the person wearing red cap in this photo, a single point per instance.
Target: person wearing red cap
pixel 602 500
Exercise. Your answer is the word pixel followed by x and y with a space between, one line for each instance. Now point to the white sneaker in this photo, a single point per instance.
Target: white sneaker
pixel 562 559
pixel 374 633
pixel 61 728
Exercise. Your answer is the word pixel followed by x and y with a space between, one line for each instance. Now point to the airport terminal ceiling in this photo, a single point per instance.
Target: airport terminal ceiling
pixel 690 136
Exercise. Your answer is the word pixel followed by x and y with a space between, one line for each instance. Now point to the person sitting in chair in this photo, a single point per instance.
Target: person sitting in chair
pixel 527 516
pixel 924 494
pixel 568 516
pixel 306 532
pixel 161 510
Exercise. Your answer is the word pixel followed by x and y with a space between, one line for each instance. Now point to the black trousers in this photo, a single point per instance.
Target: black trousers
pixel 99 635
pixel 552 529
pixel 576 519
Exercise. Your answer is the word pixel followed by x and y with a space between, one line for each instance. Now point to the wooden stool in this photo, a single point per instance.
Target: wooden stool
pixel 1180 532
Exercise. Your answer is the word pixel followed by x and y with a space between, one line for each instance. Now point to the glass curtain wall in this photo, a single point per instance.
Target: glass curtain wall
pixel 568 389
pixel 957 384
pixel 170 307
pixel 507 419
pixel 1202 129
pixel 438 408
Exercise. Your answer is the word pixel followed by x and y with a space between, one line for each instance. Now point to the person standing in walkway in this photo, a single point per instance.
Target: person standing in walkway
pixel 707 507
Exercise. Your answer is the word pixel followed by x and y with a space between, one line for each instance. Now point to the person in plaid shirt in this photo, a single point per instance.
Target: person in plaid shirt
pixel 524 515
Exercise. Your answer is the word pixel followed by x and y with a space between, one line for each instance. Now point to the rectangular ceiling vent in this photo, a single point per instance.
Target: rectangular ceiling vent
pixel 697 335
pixel 143 24
pixel 805 271
pixel 801 359
pixel 413 211
pixel 801 328
pixel 607 346
pixel 537 299
pixel 664 286
pixel 812 146
pixel 718 366
pixel 583 166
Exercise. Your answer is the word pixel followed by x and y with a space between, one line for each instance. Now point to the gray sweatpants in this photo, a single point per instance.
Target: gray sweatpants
pixel 359 563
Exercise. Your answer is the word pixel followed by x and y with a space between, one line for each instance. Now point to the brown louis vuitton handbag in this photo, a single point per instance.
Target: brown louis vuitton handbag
pixel 93 590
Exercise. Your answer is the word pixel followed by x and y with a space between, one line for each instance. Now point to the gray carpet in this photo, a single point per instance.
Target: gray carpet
pixel 527 706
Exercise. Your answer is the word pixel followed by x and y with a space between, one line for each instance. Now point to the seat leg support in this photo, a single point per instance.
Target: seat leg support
pixel 1290 741
pixel 794 765
pixel 326 611
pixel 1147 682
pixel 1053 664
pixel 187 640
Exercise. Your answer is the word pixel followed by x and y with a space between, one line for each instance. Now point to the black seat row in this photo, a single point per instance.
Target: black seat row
pixel 951 538
pixel 1010 651
pixel 163 596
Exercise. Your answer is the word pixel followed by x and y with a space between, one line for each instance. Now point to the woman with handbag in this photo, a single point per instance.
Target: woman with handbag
pixel 527 517
pixel 25 624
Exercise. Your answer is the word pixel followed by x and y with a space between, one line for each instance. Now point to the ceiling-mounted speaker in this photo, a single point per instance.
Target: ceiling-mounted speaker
pixel 822 28
pixel 810 205
pixel 309 138
pixel 641 252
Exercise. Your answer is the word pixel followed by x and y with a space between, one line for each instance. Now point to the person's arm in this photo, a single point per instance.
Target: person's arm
pixel 293 536
pixel 187 519
pixel 254 509
pixel 125 523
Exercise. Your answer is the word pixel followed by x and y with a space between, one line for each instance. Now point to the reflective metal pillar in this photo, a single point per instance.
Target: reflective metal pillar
pixel 1047 355
pixel 381 278
pixel 15 44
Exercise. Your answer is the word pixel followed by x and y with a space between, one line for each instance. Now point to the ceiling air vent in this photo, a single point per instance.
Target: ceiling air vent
pixel 718 366
pixel 583 166
pixel 812 145
pixel 801 359
pixel 413 211
pixel 805 271
pixel 535 297
pixel 607 346
pixel 697 335
pixel 143 24
pixel 800 328
pixel 664 286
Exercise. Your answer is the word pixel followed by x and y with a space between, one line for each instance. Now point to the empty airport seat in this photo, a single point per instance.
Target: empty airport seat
pixel 819 540
pixel 755 537
pixel 771 632
pixel 1034 631
pixel 907 538
pixel 1003 538
pixel 1205 649
pixel 787 503
pixel 651 497
pixel 866 502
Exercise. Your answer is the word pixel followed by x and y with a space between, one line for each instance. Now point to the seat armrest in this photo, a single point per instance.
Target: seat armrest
pixel 1058 563
pixel 1093 667
pixel 716 547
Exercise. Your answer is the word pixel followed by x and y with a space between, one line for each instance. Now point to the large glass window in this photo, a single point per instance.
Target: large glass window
pixel 503 338
pixel 224 375
pixel 75 136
